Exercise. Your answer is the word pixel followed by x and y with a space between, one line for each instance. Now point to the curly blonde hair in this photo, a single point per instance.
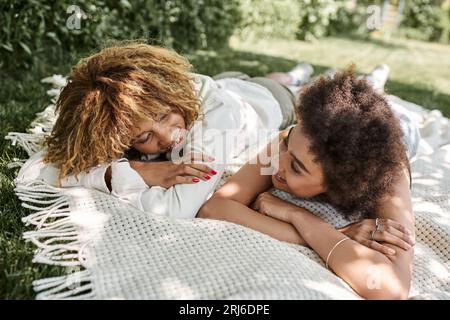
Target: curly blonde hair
pixel 107 93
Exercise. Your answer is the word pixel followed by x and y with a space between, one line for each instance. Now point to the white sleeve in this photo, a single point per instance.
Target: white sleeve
pixel 180 201
pixel 94 178
pixel 35 169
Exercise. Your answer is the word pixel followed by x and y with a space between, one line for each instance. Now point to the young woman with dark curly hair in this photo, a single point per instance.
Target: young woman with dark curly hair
pixel 347 147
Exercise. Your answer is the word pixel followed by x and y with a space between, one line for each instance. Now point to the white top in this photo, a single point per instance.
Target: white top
pixel 226 104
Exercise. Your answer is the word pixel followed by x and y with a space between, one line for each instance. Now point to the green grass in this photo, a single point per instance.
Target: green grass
pixel 21 96
pixel 419 70
pixel 419 73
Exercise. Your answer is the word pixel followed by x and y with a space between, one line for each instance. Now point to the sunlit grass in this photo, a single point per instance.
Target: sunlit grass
pixel 419 71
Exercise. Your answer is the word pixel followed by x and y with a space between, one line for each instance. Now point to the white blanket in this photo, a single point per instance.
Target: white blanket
pixel 114 251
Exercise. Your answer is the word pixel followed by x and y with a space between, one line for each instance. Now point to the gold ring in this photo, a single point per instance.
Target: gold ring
pixel 373 234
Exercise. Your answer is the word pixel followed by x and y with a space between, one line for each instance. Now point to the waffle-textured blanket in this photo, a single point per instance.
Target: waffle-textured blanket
pixel 114 251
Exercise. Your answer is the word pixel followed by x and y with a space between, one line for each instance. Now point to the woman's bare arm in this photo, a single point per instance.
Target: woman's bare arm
pixel 231 203
pixel 398 207
pixel 370 273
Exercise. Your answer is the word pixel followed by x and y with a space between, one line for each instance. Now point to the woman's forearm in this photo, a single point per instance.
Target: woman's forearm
pixel 236 212
pixel 370 273
pixel 398 206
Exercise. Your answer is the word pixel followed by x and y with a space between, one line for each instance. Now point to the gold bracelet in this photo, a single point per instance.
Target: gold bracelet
pixel 334 247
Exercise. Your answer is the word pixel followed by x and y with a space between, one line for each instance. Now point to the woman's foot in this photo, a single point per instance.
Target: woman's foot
pixel 378 77
pixel 294 78
pixel 300 74
pixel 329 73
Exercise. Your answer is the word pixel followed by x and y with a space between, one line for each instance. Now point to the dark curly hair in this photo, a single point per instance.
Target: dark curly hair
pixel 355 137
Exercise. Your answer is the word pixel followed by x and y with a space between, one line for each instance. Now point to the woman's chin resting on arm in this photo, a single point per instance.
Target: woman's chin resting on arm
pixel 347 146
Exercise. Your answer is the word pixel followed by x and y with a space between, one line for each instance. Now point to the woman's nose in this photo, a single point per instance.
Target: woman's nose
pixel 165 139
pixel 282 163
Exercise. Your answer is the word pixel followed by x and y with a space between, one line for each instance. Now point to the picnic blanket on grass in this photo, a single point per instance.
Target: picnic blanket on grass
pixel 114 251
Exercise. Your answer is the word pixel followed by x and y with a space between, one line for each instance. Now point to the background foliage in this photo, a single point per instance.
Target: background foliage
pixel 427 20
pixel 31 29
pixel 268 18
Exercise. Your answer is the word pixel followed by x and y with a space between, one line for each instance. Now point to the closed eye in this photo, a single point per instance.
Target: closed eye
pixel 294 168
pixel 145 137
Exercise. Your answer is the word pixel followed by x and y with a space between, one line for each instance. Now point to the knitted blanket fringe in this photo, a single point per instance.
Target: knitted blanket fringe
pixel 56 239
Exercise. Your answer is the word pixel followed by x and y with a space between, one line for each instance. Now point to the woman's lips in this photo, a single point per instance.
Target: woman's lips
pixel 177 137
pixel 279 179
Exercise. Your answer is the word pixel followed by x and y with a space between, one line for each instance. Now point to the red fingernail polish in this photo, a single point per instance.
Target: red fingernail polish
pixel 207 177
pixel 213 172
pixel 196 180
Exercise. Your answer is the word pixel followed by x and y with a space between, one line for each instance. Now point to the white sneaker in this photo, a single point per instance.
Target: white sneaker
pixel 329 73
pixel 378 77
pixel 301 73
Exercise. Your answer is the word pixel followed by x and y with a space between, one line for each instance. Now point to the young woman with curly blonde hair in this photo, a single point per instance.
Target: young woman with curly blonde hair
pixel 107 94
pixel 131 102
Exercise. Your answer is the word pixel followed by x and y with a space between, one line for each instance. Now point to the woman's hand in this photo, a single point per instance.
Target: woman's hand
pixel 389 231
pixel 167 174
pixel 274 207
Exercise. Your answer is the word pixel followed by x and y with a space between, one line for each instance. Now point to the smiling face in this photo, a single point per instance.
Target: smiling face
pixel 152 137
pixel 298 173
